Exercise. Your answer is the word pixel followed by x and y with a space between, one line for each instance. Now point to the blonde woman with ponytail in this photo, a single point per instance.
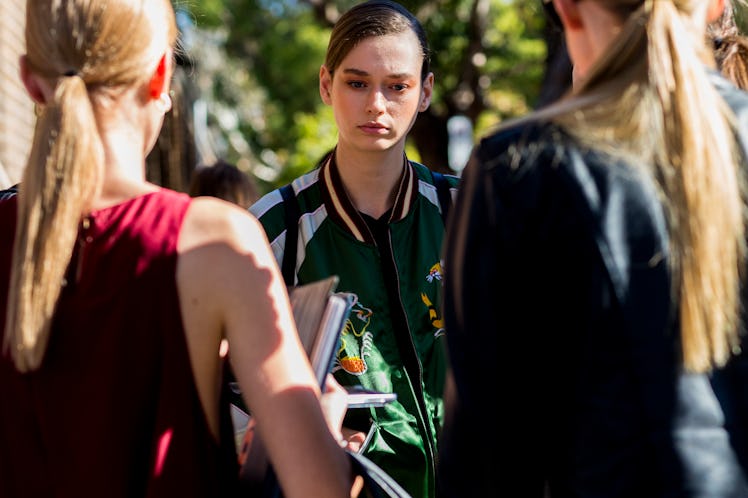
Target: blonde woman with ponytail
pixel 596 261
pixel 115 293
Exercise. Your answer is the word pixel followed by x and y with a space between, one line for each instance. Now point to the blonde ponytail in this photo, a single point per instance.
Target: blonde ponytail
pixel 701 178
pixel 90 52
pixel 63 172
pixel 650 98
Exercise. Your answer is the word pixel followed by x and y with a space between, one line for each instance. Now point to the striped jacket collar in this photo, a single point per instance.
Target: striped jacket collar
pixel 341 209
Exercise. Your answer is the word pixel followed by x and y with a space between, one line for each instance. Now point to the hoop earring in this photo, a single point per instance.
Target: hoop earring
pixel 164 102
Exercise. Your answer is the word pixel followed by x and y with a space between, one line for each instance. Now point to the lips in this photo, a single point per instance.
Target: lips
pixel 374 128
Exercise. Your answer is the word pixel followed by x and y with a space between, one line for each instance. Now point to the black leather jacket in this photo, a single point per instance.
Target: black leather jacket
pixel 558 311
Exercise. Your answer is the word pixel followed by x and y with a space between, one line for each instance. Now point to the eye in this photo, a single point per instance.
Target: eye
pixel 399 87
pixel 356 84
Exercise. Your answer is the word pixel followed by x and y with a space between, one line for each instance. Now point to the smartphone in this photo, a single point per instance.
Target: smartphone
pixel 360 397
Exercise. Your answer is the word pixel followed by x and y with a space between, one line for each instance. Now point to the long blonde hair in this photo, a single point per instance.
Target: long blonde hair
pixel 89 50
pixel 650 98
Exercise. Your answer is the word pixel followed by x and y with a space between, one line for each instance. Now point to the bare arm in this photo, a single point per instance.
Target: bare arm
pixel 230 285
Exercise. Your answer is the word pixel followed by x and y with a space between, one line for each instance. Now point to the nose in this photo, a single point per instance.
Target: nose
pixel 376 103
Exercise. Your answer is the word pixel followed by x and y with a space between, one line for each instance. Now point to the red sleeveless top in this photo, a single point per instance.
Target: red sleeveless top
pixel 113 411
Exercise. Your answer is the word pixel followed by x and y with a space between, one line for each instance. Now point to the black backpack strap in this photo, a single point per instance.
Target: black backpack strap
pixel 291 206
pixel 377 483
pixel 442 191
pixel 9 192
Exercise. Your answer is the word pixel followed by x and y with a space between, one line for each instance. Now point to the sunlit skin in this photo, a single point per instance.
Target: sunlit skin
pixel 376 94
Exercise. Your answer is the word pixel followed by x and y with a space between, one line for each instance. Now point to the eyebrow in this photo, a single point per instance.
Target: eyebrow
pixel 359 72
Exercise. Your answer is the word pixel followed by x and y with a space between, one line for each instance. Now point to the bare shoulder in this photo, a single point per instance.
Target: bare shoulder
pixel 214 221
pixel 223 249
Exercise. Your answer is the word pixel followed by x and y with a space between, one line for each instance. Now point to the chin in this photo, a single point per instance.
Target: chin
pixel 379 144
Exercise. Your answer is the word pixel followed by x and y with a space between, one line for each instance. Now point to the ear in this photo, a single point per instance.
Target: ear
pixel 33 83
pixel 427 92
pixel 159 82
pixel 714 10
pixel 568 14
pixel 325 85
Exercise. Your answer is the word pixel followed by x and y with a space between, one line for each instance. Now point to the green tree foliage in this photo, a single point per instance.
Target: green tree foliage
pixel 488 57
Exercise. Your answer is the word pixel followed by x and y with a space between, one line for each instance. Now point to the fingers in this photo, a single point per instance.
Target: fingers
pixel 334 405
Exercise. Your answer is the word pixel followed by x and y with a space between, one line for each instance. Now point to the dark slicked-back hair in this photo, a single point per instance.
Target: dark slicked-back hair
pixel 373 18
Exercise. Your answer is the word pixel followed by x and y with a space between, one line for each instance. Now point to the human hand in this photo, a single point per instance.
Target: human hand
pixel 334 405
pixel 353 439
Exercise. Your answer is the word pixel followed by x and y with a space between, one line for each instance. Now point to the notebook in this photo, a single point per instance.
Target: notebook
pixel 320 314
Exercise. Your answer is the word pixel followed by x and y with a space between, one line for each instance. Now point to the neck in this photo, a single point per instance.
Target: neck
pixel 371 179
pixel 124 159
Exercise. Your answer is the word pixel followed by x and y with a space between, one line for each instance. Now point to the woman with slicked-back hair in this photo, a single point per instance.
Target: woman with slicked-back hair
pixel 596 261
pixel 116 293
pixel 375 218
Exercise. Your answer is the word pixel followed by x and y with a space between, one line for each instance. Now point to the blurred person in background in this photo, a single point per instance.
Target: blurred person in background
pixel 730 46
pixel 224 180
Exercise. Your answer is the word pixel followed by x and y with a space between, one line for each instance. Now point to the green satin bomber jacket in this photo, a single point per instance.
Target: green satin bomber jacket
pixel 393 340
